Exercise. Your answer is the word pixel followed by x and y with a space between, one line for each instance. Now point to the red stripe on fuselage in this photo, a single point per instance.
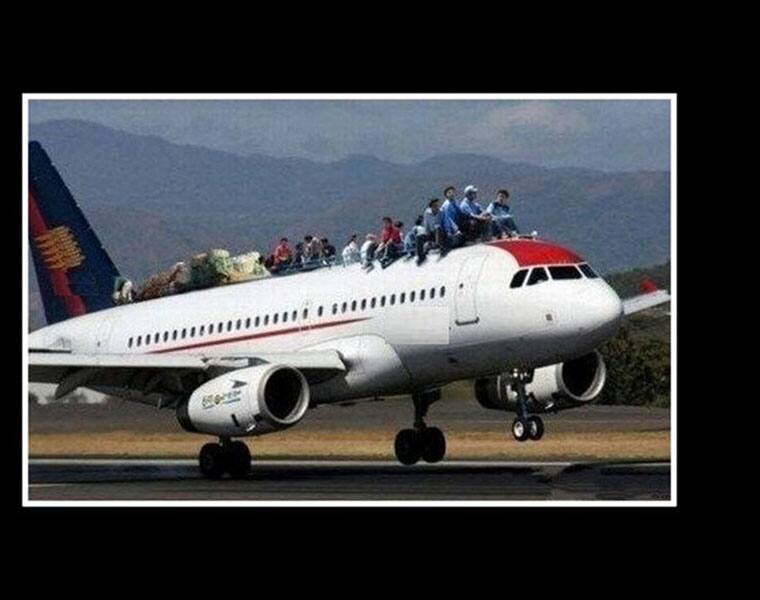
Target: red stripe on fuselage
pixel 254 336
pixel 533 252
pixel 60 281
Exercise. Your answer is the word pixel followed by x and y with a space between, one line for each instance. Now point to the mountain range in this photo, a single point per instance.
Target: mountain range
pixel 153 202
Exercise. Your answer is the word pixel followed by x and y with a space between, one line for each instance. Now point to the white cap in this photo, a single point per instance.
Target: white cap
pixel 470 188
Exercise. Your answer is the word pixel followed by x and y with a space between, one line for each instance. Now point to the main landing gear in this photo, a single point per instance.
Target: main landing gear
pixel 227 456
pixel 525 426
pixel 421 442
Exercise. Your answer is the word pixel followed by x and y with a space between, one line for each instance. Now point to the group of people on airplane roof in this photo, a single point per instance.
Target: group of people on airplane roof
pixel 442 226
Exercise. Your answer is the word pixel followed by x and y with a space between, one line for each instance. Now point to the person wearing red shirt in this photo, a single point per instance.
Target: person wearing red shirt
pixel 390 243
pixel 282 255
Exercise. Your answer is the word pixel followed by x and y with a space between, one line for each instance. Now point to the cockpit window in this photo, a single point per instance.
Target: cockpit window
pixel 519 278
pixel 588 271
pixel 564 272
pixel 537 275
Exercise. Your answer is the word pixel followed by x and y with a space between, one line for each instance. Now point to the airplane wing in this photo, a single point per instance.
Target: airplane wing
pixel 162 378
pixel 650 298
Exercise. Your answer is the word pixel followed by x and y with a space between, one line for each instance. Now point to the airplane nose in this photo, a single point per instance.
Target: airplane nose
pixel 596 312
pixel 603 308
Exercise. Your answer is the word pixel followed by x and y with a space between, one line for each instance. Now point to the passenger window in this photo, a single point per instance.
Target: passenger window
pixel 275 317
pixel 210 328
pixel 335 309
pixel 537 275
pixel 221 327
pixel 588 271
pixel 432 293
pixel 320 311
pixel 256 321
pixel 422 294
pixel 382 300
pixel 174 334
pixel 129 344
pixel 285 317
pixel 248 323
pixel 364 303
pixel 443 291
pixel 294 316
pixel 402 297
pixel 373 303
pixel 519 278
pixel 353 306
pixel 192 332
pixel 184 333
pixel 156 337
pixel 229 325
pixel 305 313
pixel 166 336
pixel 343 307
pixel 266 319
pixel 565 272
pixel 147 340
pixel 139 340
pixel 393 299
pixel 411 296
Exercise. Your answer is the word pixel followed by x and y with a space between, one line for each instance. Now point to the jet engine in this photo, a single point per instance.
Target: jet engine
pixel 564 385
pixel 249 401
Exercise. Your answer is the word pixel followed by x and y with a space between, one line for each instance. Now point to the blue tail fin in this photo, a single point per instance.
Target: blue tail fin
pixel 75 274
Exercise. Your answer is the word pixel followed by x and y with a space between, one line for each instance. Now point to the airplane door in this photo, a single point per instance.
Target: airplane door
pixel 305 317
pixel 467 285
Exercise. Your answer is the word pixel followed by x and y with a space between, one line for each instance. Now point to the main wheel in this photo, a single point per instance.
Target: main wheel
pixel 238 460
pixel 212 461
pixel 433 444
pixel 408 447
pixel 520 429
pixel 535 428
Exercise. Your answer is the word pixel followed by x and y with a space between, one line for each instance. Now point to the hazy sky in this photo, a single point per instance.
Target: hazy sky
pixel 602 134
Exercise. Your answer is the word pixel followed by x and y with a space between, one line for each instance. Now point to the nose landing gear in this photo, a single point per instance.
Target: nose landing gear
pixel 227 456
pixel 421 442
pixel 525 426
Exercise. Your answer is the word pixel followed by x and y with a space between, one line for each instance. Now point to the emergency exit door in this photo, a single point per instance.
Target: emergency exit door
pixel 467 284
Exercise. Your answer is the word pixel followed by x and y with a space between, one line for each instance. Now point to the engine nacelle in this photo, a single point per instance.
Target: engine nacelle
pixel 564 385
pixel 249 401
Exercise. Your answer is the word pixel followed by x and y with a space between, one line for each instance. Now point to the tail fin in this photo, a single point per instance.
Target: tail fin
pixel 75 274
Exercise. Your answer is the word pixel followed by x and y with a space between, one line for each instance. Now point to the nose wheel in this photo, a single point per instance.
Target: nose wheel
pixel 525 426
pixel 421 442
pixel 230 457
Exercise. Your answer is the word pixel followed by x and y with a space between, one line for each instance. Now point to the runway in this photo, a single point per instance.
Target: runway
pixel 296 480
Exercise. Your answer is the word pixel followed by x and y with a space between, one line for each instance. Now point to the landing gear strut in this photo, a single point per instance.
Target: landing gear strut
pixel 525 426
pixel 421 442
pixel 227 456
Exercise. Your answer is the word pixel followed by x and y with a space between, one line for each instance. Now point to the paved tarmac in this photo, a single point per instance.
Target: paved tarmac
pixel 296 480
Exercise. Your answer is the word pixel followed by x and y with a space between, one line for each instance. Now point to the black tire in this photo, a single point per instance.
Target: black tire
pixel 211 461
pixel 408 447
pixel 520 429
pixel 535 428
pixel 238 460
pixel 433 444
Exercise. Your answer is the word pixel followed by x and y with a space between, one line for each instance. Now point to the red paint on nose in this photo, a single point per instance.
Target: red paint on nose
pixel 535 252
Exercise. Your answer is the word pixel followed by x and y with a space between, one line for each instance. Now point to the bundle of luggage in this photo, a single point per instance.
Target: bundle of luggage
pixel 209 269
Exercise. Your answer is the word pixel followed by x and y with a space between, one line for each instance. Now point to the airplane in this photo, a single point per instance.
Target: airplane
pixel 523 318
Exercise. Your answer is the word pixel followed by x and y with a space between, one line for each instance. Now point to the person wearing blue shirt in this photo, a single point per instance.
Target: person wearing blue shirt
pixel 477 223
pixel 450 207
pixel 501 218
pixel 438 228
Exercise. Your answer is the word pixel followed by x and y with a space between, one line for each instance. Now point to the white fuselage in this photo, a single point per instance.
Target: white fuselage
pixel 405 328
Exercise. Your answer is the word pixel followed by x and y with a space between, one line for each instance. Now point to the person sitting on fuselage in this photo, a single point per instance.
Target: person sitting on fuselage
pixel 450 208
pixel 282 255
pixel 477 223
pixel 439 230
pixel 390 243
pixel 350 253
pixel 501 219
